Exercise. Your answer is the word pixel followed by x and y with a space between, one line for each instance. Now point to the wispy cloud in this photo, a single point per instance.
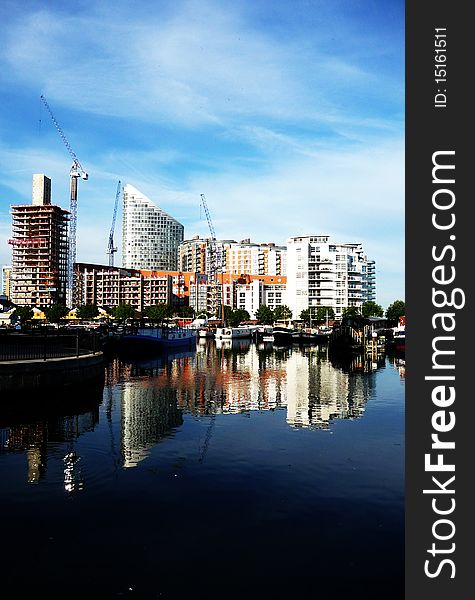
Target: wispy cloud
pixel 289 117
pixel 202 65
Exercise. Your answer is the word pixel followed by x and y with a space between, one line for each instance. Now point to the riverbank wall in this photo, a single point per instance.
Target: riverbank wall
pixel 38 375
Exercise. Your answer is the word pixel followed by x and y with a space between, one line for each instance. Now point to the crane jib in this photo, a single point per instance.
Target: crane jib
pixel 75 172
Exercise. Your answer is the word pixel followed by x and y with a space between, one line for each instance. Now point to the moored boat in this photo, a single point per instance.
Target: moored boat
pixel 264 333
pixel 399 335
pixel 206 332
pixel 163 336
pixel 228 333
pixel 178 337
pixel 282 335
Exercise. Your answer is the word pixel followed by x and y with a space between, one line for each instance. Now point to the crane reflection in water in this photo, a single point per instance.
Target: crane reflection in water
pixel 151 396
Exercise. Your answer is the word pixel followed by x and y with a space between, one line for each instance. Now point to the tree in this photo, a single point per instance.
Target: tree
pixel 24 313
pixel 395 310
pixel 228 313
pixel 186 311
pixel 371 309
pixel 264 314
pixel 322 313
pixel 122 312
pixel 55 313
pixel 235 317
pixel 87 311
pixel 282 313
pixel 159 312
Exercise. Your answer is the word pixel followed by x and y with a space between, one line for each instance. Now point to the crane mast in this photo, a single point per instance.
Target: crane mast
pixel 215 261
pixel 213 267
pixel 111 248
pixel 75 172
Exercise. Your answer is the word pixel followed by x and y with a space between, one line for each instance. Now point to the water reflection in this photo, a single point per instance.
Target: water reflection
pixel 237 376
pixel 160 463
pixel 151 396
pixel 58 420
pixel 148 414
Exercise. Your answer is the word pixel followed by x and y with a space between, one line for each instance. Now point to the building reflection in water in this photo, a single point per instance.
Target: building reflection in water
pixel 148 414
pixel 148 404
pixel 63 418
pixel 226 377
pixel 149 398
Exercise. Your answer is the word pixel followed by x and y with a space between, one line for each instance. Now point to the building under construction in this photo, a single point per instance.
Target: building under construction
pixel 39 249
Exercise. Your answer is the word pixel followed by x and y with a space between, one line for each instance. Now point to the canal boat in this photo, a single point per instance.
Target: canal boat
pixel 206 332
pixel 229 333
pixel 282 335
pixel 399 335
pixel 162 336
pixel 309 335
pixel 178 337
pixel 264 333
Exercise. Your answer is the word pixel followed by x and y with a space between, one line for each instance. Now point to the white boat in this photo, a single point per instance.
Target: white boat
pixel 206 332
pixel 230 333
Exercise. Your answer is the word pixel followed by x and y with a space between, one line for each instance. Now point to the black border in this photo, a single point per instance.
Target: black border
pixel 430 129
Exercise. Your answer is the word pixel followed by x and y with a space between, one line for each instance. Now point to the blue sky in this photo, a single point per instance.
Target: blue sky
pixel 288 116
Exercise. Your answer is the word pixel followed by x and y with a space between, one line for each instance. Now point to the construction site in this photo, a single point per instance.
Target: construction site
pixel 39 249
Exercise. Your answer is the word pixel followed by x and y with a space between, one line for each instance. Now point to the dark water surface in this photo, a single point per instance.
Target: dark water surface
pixel 243 471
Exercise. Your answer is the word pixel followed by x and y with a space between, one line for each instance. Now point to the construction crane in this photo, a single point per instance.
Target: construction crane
pixel 75 173
pixel 215 261
pixel 111 248
pixel 213 267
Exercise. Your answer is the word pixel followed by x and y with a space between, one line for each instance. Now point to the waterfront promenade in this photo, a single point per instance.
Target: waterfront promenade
pixel 40 360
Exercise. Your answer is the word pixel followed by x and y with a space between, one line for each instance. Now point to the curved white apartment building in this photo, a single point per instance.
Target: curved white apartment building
pixel 150 236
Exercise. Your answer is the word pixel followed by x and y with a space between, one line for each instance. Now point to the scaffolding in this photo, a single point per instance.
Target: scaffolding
pixel 39 255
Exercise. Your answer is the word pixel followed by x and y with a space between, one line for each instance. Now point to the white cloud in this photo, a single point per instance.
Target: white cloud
pixel 285 134
pixel 203 65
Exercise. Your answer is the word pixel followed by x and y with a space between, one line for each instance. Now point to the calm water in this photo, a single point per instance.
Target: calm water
pixel 228 472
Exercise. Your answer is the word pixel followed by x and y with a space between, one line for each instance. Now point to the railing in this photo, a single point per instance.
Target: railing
pixel 43 346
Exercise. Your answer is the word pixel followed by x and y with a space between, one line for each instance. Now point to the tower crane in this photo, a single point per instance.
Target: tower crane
pixel 215 262
pixel 75 173
pixel 213 249
pixel 111 248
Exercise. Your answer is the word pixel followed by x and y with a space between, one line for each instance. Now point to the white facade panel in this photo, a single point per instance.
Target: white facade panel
pixel 323 274
pixel 150 237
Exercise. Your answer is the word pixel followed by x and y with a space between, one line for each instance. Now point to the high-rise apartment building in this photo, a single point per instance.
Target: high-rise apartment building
pixel 247 292
pixel 369 281
pixel 39 249
pixel 236 258
pixel 6 278
pixel 324 274
pixel 200 254
pixel 150 236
